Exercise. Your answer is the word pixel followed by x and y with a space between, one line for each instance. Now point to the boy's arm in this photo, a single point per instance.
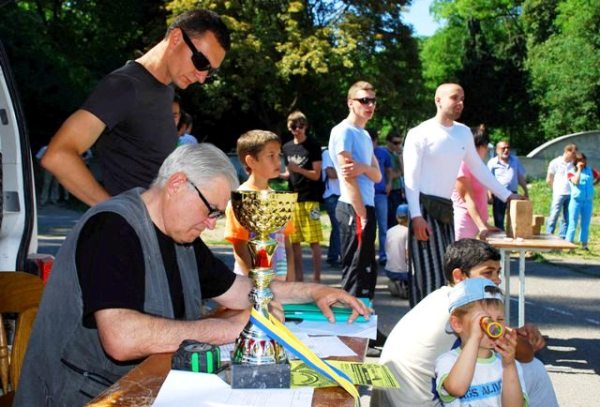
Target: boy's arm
pixel 289 256
pixel 512 393
pixel 352 186
pixel 241 253
pixel 460 377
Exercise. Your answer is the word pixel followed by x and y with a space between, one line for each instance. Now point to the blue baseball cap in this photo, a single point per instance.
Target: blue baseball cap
pixel 402 210
pixel 471 290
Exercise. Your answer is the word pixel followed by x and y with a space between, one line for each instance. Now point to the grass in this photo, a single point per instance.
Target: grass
pixel 541 196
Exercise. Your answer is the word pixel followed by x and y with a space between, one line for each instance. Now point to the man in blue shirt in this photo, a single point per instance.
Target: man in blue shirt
pixel 351 151
pixel 509 171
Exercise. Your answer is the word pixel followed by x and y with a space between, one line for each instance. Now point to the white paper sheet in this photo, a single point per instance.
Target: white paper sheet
pixel 208 390
pixel 358 330
pixel 322 346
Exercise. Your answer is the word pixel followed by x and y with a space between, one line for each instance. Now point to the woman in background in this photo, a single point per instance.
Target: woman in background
pixel 470 197
pixel 582 198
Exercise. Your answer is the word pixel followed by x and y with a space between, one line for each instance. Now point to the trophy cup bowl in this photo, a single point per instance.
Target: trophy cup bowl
pixel 258 361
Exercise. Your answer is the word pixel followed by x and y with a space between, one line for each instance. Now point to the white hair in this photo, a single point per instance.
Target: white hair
pixel 202 163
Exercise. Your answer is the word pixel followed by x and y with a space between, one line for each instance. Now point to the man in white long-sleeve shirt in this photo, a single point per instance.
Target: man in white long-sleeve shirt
pixel 432 155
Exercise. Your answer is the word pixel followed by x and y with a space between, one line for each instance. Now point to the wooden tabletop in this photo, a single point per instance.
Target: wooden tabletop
pixel 540 242
pixel 140 386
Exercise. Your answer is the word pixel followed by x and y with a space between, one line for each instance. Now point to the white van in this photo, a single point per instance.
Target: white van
pixel 18 217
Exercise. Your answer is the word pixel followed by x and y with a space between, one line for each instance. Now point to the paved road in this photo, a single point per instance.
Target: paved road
pixel 562 299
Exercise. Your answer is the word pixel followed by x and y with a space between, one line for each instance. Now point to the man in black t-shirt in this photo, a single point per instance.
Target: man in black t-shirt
pixel 303 160
pixel 128 281
pixel 128 116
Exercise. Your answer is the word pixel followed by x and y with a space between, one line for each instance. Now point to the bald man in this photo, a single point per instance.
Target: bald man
pixel 432 155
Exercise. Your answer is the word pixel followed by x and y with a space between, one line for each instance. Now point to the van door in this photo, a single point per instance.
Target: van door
pixel 18 228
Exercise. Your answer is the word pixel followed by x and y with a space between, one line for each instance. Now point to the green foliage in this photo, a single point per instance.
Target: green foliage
pixel 482 47
pixel 60 49
pixel 294 54
pixel 565 67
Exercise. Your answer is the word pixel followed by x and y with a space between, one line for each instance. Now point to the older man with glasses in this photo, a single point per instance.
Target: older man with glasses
pixel 509 172
pixel 129 280
pixel 128 116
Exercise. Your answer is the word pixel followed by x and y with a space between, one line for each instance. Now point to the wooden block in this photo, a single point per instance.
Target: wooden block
pixel 536 225
pixel 521 212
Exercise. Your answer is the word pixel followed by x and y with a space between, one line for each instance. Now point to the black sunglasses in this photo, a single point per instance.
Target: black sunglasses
pixel 366 101
pixel 213 213
pixel 201 63
pixel 297 126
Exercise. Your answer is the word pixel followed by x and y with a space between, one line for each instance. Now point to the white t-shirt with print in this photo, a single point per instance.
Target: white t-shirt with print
pixel 486 386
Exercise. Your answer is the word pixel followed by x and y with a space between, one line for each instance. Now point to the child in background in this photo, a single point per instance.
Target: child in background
pixel 396 251
pixel 260 152
pixel 483 371
pixel 582 200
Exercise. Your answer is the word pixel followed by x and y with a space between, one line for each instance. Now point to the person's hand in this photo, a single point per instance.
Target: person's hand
pixel 351 169
pixel 506 346
pixel 516 197
pixel 293 167
pixel 489 229
pixel 325 297
pixel 475 331
pixel 533 335
pixel 421 228
pixel 276 309
pixel 229 324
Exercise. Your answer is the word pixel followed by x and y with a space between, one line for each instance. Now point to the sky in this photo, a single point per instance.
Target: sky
pixel 418 16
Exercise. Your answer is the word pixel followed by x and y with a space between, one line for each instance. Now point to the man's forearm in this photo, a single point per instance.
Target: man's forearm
pixel 128 335
pixel 70 170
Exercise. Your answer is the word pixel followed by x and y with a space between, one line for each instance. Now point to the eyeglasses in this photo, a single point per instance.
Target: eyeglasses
pixel 396 143
pixel 366 101
pixel 201 63
pixel 298 126
pixel 213 213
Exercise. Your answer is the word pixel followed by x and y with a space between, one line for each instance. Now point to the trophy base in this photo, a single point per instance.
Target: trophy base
pixel 272 376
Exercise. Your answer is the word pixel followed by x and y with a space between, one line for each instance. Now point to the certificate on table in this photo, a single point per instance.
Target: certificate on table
pixel 341 328
pixel 208 390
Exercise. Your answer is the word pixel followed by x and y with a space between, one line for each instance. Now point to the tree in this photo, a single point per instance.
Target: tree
pixel 564 59
pixel 304 55
pixel 483 48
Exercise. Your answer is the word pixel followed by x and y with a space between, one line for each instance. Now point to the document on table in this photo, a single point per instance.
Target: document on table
pixel 322 346
pixel 208 390
pixel 361 330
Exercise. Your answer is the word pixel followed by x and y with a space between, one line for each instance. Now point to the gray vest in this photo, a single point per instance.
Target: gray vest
pixel 65 364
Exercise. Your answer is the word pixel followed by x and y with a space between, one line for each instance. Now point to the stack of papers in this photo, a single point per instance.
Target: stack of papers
pixel 208 390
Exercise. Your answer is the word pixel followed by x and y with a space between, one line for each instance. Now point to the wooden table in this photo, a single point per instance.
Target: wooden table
pixel 538 243
pixel 140 386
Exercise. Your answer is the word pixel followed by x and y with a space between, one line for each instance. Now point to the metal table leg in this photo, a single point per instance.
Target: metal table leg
pixel 521 287
pixel 505 263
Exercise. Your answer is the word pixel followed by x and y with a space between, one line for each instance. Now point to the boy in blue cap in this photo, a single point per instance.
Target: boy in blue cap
pixel 483 371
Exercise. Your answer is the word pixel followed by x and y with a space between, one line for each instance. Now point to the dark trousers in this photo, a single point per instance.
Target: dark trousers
pixel 499 210
pixel 426 258
pixel 395 198
pixel 359 268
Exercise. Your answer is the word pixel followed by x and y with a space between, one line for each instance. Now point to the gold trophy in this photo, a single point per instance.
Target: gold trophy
pixel 258 361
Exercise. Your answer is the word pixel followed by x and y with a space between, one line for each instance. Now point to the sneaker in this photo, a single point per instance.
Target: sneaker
pixel 382 261
pixel 585 247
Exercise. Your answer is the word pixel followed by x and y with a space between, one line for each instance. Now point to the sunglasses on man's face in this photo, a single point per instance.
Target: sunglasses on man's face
pixel 201 63
pixel 297 126
pixel 366 101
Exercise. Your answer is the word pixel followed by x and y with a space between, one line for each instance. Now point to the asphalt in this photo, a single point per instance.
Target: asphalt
pixel 562 299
